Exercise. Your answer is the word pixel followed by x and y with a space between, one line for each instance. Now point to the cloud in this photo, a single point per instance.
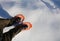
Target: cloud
pixel 48 5
pixel 7 4
pixel 29 4
pixel 57 3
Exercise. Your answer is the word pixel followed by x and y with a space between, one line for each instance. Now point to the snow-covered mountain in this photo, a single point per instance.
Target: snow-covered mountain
pixel 43 14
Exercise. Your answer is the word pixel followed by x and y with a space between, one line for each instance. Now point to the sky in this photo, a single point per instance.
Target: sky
pixel 43 14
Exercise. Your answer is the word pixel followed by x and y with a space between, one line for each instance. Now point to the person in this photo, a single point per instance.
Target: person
pixel 13 32
pixel 9 22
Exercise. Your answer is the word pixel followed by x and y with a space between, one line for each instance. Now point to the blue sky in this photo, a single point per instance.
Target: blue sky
pixel 57 3
pixel 31 4
pixel 43 14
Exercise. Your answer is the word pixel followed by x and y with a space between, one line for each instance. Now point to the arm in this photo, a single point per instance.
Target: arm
pixel 4 22
pixel 8 22
pixel 15 31
pixel 13 21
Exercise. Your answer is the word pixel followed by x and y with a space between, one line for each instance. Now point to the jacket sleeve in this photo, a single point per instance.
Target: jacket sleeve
pixel 13 21
pixel 11 33
pixel 6 22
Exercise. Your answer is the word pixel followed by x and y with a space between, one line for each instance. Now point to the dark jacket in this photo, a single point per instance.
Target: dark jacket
pixel 11 33
pixel 5 23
